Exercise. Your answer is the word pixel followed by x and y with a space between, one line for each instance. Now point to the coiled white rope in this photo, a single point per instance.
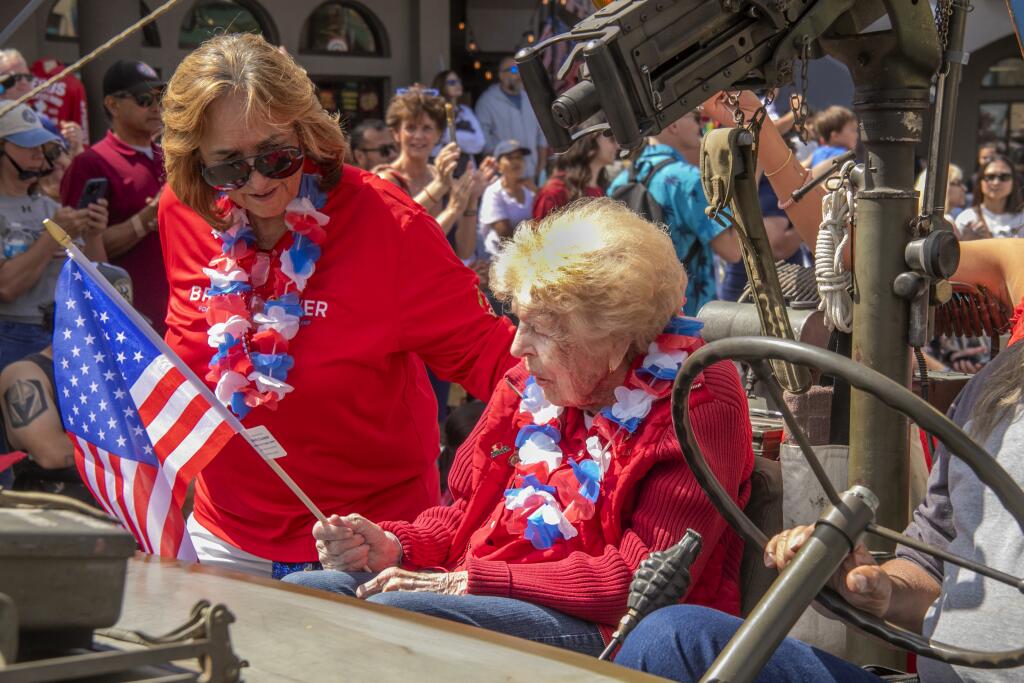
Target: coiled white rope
pixel 837 211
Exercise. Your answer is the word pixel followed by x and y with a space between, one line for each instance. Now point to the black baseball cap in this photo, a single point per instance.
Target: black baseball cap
pixel 131 77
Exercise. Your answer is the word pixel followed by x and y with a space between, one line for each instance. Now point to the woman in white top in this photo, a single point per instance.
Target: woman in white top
pixel 468 132
pixel 998 209
pixel 506 202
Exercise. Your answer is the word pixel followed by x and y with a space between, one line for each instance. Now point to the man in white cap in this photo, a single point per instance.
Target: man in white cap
pixel 30 259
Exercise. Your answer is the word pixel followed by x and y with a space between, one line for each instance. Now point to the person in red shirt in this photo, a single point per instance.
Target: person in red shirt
pixel 573 474
pixel 311 301
pixel 133 166
pixel 578 173
pixel 64 100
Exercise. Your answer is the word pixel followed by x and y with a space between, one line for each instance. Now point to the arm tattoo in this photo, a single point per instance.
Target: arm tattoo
pixel 25 402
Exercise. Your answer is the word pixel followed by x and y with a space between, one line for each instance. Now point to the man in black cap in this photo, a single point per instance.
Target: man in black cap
pixel 132 163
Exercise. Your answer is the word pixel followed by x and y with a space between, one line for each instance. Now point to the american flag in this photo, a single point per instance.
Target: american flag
pixel 141 431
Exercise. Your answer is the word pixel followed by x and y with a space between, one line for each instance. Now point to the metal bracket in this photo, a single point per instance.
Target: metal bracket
pixel 203 637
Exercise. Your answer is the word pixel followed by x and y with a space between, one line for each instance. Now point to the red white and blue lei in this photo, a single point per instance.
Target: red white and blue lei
pixel 545 513
pixel 255 306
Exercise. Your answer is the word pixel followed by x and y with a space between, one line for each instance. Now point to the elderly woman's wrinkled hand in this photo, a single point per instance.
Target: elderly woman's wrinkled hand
pixel 354 543
pixel 395 579
pixel 859 579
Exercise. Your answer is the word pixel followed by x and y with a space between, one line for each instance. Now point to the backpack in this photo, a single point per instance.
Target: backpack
pixel 636 195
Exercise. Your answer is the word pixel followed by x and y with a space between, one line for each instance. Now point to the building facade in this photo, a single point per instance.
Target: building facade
pixel 357 52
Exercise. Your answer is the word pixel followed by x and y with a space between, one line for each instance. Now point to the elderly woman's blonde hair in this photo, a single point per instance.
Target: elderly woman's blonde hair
pixel 596 266
pixel 275 88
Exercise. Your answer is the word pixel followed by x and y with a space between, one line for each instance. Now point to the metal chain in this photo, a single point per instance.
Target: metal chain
pixel 800 109
pixel 943 12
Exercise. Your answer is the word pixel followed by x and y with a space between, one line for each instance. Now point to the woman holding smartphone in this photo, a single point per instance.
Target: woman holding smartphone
pixel 416 115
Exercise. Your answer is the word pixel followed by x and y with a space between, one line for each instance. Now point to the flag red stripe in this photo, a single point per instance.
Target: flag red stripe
pixel 143 485
pixel 119 482
pixel 162 392
pixel 216 441
pixel 101 482
pixel 83 470
pixel 182 427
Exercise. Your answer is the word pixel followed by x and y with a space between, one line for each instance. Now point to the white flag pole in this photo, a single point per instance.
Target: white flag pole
pixel 88 266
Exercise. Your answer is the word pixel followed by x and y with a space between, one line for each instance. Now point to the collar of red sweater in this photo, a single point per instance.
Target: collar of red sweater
pixel 494 445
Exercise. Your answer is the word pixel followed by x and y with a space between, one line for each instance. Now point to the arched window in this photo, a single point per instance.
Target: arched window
pixel 344 28
pixel 1006 73
pixel 62 23
pixel 209 18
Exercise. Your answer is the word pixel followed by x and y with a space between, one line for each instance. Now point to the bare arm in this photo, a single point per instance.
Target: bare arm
pixel 781 235
pixel 120 238
pixel 997 265
pixel 784 171
pixel 727 245
pixel 31 417
pixel 913 592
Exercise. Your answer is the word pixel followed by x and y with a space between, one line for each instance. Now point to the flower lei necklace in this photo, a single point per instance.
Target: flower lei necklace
pixel 251 331
pixel 545 513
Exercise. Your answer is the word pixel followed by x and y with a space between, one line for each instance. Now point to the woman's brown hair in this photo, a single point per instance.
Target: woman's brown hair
pixel 275 89
pixel 412 103
pixel 575 164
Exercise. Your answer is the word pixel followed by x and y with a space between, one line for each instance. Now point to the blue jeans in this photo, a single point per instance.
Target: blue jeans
pixel 18 340
pixel 681 643
pixel 513 617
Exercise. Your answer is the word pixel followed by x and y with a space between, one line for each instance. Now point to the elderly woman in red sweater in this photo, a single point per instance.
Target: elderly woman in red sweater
pixel 573 474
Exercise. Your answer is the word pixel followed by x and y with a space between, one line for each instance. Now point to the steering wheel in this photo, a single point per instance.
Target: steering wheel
pixel 757 351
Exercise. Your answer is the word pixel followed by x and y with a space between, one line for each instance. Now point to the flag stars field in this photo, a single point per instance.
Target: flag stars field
pixel 140 429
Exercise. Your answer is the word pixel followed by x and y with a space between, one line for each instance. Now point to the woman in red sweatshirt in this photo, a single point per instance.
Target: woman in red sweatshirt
pixel 310 294
pixel 573 474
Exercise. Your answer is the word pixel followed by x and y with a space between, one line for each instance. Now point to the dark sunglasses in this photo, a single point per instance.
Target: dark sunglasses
pixel 275 164
pixel 383 150
pixel 453 81
pixel 997 177
pixel 52 151
pixel 514 69
pixel 144 100
pixel 8 80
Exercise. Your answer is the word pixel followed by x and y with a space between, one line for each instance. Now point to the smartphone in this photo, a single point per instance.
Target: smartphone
pixel 462 164
pixel 95 189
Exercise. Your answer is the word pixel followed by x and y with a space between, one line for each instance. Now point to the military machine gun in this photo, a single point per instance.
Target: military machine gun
pixel 648 62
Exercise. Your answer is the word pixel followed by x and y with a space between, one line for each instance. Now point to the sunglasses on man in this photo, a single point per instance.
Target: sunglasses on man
pixel 383 150
pixel 144 100
pixel 275 164
pixel 8 81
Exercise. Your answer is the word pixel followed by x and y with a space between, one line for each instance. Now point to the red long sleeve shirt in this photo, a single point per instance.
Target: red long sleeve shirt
pixel 652 501
pixel 360 427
